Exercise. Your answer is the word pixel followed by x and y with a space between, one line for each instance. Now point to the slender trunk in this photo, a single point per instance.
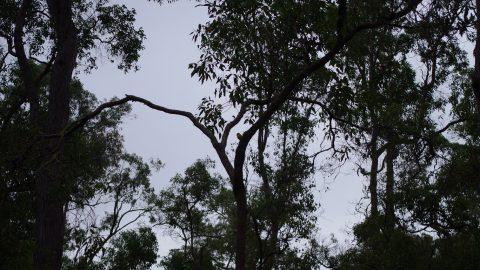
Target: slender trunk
pixel 374 174
pixel 31 92
pixel 372 87
pixel 51 195
pixel 476 53
pixel 389 200
pixel 199 262
pixel 273 245
pixel 239 189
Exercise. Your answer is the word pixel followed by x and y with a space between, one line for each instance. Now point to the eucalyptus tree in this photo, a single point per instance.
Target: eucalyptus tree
pixel 436 204
pixel 389 101
pixel 99 173
pixel 379 89
pixel 124 196
pixel 197 209
pixel 133 249
pixel 445 199
pixel 281 201
pixel 269 48
pixel 433 172
pixel 60 35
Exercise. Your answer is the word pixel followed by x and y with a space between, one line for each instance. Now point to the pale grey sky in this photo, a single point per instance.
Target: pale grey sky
pixel 164 79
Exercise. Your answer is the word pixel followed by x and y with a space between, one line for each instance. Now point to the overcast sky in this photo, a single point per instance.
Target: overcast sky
pixel 164 79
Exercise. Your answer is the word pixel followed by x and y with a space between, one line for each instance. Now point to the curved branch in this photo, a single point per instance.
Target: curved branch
pixel 449 125
pixel 213 140
pixel 282 96
pixel 219 148
pixel 188 115
pixel 233 123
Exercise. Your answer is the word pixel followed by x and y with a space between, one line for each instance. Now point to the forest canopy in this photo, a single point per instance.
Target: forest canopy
pixel 386 90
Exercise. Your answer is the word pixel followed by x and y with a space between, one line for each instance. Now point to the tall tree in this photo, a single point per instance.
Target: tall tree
pixel 275 48
pixel 281 202
pixel 98 170
pixel 63 32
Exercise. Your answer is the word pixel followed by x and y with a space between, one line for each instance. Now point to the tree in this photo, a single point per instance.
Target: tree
pixel 320 34
pixel 65 33
pixel 196 208
pixel 98 171
pixel 281 202
pixel 422 164
pixel 370 75
pixel 133 250
pixel 126 198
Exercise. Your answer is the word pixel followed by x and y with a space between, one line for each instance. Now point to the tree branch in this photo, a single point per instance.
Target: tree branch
pixel 70 129
pixel 283 95
pixel 233 123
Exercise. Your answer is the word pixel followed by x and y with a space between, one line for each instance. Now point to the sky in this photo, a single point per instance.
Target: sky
pixel 164 79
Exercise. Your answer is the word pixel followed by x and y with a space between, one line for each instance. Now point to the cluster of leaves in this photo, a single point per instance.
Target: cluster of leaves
pixel 100 24
pixel 99 174
pixel 196 208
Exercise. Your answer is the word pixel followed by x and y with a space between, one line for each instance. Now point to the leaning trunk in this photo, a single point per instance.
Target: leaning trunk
pixel 51 194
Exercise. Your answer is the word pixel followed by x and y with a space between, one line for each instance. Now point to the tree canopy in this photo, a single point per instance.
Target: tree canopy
pixel 388 88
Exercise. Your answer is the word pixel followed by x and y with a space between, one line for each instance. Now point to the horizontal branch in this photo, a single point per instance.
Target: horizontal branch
pixel 219 147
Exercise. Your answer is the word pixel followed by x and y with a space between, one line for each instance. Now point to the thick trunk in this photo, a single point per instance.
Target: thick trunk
pixel 50 226
pixel 51 195
pixel 239 191
pixel 374 174
pixel 476 53
pixel 389 200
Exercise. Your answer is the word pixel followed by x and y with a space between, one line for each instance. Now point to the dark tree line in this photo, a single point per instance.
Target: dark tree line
pixel 386 85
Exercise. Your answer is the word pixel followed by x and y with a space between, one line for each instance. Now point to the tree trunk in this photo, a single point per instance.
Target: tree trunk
pixel 273 246
pixel 374 155
pixel 389 201
pixel 374 174
pixel 51 195
pixel 476 53
pixel 240 194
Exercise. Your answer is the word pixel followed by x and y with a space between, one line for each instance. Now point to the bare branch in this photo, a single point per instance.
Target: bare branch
pixel 449 125
pixel 232 124
pixel 213 140
pixel 84 119
pixel 47 68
